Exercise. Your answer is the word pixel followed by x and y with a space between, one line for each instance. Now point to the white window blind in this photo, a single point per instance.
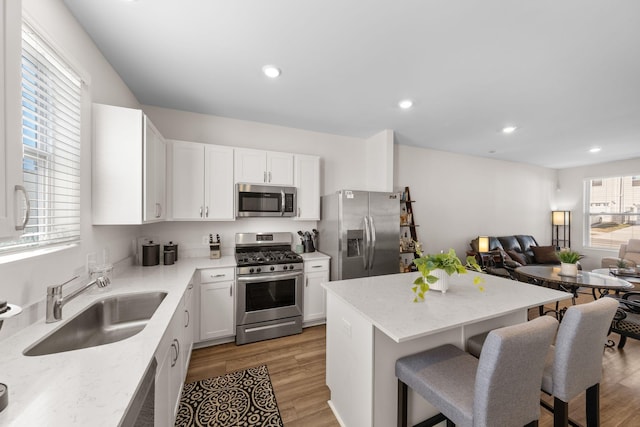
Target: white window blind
pixel 51 117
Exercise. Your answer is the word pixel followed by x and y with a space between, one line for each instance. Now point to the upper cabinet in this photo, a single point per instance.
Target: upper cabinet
pixel 263 167
pixel 307 182
pixel 128 166
pixel 11 195
pixel 202 182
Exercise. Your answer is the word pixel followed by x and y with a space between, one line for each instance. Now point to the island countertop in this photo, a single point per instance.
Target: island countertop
pixel 387 302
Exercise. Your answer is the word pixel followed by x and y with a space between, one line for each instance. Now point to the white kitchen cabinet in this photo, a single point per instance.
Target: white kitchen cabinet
pixel 128 167
pixel 202 176
pixel 263 167
pixel 11 197
pixel 217 303
pixel 307 182
pixel 189 321
pixel 316 272
pixel 170 371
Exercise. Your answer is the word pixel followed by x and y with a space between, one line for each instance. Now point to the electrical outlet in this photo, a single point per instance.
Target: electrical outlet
pixel 346 327
pixel 205 239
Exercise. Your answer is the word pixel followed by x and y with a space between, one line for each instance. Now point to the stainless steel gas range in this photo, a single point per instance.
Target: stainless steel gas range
pixel 269 287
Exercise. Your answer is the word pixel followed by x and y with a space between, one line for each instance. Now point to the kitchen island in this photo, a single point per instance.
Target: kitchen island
pixel 373 321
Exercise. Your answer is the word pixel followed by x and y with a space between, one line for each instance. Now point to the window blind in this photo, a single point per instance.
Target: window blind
pixel 51 118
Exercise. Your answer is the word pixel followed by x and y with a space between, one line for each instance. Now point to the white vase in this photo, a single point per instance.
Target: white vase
pixel 567 269
pixel 442 284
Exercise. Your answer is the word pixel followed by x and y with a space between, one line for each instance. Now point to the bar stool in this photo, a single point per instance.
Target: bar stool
pixel 574 364
pixel 500 389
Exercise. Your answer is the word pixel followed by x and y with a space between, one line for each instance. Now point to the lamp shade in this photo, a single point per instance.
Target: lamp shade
pixel 559 217
pixel 483 244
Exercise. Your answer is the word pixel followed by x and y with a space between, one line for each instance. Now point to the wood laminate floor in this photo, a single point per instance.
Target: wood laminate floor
pixel 297 368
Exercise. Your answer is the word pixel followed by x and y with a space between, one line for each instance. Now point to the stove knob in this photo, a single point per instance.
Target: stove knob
pixel 251 270
pixel 272 268
pixel 284 267
pixel 258 270
pixel 291 267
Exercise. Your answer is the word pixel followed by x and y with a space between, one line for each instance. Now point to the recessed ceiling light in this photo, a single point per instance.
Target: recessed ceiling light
pixel 509 129
pixel 595 149
pixel 405 104
pixel 271 71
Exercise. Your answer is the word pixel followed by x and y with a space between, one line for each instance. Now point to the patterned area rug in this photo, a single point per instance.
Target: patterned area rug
pixel 242 398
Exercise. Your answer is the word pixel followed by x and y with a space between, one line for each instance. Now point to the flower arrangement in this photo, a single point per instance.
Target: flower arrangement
pixel 446 261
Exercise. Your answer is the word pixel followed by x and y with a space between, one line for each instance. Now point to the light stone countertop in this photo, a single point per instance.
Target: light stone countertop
pixel 92 386
pixel 387 302
pixel 314 256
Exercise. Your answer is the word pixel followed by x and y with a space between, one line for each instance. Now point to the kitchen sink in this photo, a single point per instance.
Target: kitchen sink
pixel 105 321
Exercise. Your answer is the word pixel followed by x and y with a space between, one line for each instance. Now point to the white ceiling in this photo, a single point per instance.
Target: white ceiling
pixel 566 72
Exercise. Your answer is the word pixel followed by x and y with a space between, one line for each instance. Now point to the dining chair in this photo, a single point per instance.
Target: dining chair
pixel 574 363
pixel 502 388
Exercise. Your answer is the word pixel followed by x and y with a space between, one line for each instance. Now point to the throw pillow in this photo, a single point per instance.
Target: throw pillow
pixel 545 254
pixel 517 257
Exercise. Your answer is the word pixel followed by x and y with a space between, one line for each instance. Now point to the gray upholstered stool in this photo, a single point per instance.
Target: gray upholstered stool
pixel 574 364
pixel 500 389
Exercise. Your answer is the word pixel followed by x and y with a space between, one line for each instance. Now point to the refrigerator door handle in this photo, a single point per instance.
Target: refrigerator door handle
pixel 372 249
pixel 366 243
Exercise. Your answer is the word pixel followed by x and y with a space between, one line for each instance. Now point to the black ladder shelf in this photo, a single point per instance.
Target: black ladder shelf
pixel 408 232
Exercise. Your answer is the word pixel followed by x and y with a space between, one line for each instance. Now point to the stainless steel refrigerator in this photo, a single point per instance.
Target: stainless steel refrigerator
pixel 360 230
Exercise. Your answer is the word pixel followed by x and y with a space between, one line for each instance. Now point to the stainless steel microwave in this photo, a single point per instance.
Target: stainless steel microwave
pixel 265 200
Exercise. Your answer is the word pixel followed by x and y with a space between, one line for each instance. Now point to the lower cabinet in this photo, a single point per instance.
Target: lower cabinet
pixel 217 303
pixel 173 356
pixel 316 272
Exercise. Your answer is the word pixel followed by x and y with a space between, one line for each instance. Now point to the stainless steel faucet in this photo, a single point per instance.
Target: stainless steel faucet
pixel 55 300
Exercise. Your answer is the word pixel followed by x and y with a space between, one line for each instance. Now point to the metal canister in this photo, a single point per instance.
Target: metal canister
pixel 172 247
pixel 169 257
pixel 150 254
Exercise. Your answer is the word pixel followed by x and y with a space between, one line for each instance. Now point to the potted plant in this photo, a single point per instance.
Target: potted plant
pixel 436 269
pixel 569 262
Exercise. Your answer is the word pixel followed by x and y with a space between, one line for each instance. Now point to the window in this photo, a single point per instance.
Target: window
pixel 51 113
pixel 612 211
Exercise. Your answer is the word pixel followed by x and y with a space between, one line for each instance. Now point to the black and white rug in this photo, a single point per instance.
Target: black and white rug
pixel 242 398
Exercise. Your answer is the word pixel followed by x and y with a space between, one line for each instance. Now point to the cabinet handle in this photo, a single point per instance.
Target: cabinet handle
pixel 298 211
pixel 200 211
pixel 176 346
pixel 316 266
pixel 269 176
pixel 28 211
pixel 306 282
pixel 264 176
pixel 206 212
pixel 158 210
pixel 217 275
pixel 231 290
pixel 187 318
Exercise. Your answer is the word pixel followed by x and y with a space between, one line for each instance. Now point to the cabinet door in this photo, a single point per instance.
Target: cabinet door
pixel 188 180
pixel 161 396
pixel 249 166
pixel 10 118
pixel 187 333
pixel 314 296
pixel 216 310
pixel 218 183
pixel 279 168
pixel 154 174
pixel 307 182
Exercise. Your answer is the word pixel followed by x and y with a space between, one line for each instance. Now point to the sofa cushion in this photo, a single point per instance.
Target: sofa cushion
pixel 633 246
pixel 510 243
pixel 526 242
pixel 545 255
pixel 517 257
pixel 634 257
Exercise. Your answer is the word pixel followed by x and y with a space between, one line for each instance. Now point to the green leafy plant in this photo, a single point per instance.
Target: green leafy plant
pixel 569 257
pixel 447 261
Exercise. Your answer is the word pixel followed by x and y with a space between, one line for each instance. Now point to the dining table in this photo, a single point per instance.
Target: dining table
pixel 632 277
pixel 549 276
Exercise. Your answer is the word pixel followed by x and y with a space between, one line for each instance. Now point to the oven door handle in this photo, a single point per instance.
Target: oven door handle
pixel 269 277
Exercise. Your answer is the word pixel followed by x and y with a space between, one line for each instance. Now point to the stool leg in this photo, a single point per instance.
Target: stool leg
pixel 560 413
pixel 402 404
pixel 623 341
pixel 593 406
